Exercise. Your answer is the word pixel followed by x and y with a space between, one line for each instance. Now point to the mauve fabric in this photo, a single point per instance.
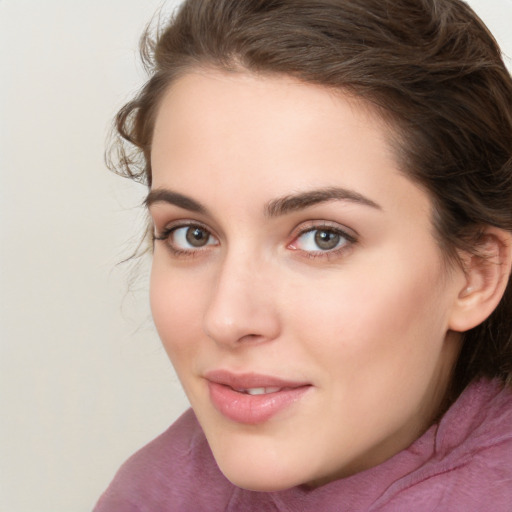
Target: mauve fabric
pixel 463 463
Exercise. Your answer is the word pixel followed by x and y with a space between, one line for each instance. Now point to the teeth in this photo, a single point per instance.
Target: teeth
pixel 261 391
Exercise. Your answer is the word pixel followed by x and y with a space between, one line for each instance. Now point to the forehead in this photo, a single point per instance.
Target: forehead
pixel 247 133
pixel 258 100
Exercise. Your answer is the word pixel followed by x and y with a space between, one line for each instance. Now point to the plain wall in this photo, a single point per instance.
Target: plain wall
pixel 84 381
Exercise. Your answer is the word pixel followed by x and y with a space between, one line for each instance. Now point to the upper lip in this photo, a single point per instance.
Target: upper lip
pixel 250 380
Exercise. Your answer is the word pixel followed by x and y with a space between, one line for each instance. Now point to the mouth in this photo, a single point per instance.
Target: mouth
pixel 252 398
pixel 260 391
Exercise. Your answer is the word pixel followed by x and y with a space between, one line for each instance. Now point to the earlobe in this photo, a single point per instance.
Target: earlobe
pixel 487 274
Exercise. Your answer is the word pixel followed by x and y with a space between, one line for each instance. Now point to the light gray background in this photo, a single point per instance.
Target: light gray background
pixel 83 379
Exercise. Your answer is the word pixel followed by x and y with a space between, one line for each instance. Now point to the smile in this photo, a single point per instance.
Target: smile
pixel 259 391
pixel 250 398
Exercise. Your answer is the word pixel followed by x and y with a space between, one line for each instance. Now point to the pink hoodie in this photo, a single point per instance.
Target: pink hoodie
pixel 463 463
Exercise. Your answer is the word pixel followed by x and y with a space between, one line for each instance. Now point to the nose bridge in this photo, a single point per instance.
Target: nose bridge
pixel 241 305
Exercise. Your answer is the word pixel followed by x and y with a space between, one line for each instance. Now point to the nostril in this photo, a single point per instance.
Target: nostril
pixel 251 337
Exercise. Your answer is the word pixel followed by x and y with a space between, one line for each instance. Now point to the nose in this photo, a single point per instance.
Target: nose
pixel 241 306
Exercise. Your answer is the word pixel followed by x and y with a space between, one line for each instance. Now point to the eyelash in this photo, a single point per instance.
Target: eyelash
pixel 166 234
pixel 350 240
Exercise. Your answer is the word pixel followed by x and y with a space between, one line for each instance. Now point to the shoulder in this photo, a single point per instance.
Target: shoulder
pixel 471 464
pixel 172 472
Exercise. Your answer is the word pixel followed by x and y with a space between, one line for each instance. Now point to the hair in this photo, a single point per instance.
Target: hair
pixel 431 68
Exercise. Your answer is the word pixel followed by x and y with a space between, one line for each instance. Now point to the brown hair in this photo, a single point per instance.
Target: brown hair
pixel 430 66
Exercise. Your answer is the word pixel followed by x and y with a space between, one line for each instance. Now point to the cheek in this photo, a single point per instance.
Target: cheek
pixel 363 319
pixel 175 307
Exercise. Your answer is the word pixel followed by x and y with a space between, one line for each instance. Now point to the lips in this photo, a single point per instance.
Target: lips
pixel 252 398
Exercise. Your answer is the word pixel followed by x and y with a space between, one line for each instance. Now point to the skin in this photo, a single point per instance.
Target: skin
pixel 367 323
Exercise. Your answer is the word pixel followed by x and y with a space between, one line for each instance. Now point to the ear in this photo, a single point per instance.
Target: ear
pixel 487 273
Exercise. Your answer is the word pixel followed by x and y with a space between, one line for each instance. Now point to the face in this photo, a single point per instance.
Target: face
pixel 296 284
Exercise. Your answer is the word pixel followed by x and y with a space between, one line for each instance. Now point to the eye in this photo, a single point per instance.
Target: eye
pixel 191 237
pixel 187 239
pixel 324 239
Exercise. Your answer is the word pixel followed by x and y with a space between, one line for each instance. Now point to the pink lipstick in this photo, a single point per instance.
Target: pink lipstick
pixel 252 398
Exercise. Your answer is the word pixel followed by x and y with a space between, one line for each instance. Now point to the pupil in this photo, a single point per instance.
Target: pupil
pixel 326 239
pixel 197 237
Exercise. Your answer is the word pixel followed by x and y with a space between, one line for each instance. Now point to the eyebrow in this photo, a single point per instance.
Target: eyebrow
pixel 302 200
pixel 274 208
pixel 163 195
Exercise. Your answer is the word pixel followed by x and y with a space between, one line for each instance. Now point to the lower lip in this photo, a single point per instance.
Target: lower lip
pixel 252 409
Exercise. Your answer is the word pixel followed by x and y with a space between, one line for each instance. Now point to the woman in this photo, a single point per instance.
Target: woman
pixel 330 191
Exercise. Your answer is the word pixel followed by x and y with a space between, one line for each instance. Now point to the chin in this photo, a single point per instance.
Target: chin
pixel 262 483
pixel 262 475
